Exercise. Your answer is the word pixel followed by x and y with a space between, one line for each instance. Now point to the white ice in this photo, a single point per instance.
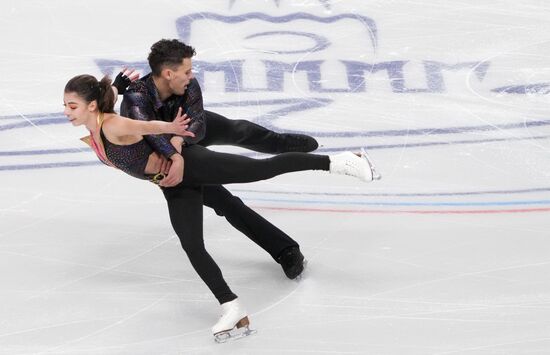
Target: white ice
pixel 448 254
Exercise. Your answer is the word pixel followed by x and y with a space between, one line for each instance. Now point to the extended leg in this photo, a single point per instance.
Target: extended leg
pixel 203 166
pixel 223 131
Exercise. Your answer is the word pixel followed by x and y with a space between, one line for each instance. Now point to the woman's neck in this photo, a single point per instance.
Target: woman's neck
pixel 93 122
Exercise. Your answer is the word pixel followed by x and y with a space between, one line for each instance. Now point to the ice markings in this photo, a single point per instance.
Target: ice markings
pixel 320 42
pixel 540 88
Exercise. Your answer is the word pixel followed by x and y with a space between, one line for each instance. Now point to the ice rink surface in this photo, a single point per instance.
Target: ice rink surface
pixel 448 254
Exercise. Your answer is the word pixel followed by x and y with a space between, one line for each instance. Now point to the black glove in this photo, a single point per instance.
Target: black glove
pixel 121 82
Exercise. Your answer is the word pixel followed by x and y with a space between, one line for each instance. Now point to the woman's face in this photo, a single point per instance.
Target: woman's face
pixel 77 109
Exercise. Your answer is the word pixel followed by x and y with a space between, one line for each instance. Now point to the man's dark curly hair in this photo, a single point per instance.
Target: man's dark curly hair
pixel 168 52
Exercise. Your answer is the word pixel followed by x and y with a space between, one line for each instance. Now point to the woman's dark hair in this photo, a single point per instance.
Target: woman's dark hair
pixel 87 87
pixel 168 52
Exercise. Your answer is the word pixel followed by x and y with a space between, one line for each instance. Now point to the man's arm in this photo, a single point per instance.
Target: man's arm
pixel 195 110
pixel 137 106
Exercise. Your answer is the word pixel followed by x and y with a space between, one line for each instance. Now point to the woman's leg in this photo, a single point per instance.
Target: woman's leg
pixel 242 133
pixel 185 208
pixel 203 166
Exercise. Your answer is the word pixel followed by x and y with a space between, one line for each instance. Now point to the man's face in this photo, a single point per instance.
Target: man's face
pixel 179 78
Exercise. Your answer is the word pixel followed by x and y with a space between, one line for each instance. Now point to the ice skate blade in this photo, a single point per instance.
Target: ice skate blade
pixel 233 334
pixel 375 174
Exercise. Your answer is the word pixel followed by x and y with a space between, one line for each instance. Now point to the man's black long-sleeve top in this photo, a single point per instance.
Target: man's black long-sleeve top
pixel 142 102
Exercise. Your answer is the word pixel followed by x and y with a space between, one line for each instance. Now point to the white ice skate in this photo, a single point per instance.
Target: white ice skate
pixel 348 163
pixel 233 324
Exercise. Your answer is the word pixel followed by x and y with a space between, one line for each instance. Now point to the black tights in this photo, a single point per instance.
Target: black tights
pixel 207 167
pixel 204 172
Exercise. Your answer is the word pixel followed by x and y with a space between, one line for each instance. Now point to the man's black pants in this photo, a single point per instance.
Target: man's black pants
pixel 205 171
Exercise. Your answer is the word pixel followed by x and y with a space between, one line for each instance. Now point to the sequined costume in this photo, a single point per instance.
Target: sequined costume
pixel 132 158
pixel 142 102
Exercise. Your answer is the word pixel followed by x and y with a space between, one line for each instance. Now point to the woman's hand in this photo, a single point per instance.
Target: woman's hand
pixel 124 78
pixel 180 125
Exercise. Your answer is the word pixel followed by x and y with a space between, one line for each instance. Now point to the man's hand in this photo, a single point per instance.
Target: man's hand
pixel 177 142
pixel 175 173
pixel 164 164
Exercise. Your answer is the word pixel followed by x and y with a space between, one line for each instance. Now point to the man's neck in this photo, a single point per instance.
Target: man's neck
pixel 162 88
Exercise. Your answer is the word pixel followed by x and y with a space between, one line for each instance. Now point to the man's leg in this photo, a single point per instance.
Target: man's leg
pixel 243 218
pixel 223 131
pixel 185 208
pixel 277 243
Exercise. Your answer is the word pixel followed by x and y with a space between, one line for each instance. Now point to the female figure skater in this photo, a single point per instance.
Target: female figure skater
pixel 118 142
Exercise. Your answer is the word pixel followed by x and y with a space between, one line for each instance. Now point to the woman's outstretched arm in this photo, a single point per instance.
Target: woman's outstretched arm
pixel 123 126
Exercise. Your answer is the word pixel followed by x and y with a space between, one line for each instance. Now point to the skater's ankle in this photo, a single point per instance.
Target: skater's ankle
pixel 292 262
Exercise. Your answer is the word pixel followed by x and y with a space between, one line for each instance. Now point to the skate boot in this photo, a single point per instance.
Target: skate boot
pixel 233 324
pixel 292 142
pixel 348 163
pixel 292 262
